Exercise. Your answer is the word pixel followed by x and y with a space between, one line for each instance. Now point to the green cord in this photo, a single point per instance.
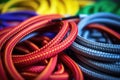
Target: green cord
pixel 101 6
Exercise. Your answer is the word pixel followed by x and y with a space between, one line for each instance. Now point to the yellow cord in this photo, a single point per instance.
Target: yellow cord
pixel 61 9
pixel 58 7
pixel 1 6
pixel 12 3
pixel 69 7
pixel 19 9
pixel 85 2
pixel 43 7
pixel 30 4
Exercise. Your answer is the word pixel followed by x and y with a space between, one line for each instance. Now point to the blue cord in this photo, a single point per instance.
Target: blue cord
pixel 18 16
pixel 98 61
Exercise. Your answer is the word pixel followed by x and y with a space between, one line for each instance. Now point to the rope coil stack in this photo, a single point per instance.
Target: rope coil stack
pixel 98 60
pixel 35 58
pixel 59 40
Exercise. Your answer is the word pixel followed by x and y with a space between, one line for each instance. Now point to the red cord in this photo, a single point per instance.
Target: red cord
pixel 105 29
pixel 36 61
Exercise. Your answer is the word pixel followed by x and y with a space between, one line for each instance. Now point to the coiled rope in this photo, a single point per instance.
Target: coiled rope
pixel 98 60
pixel 37 57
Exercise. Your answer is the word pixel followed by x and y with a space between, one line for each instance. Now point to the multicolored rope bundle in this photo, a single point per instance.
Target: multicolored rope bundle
pixel 59 40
